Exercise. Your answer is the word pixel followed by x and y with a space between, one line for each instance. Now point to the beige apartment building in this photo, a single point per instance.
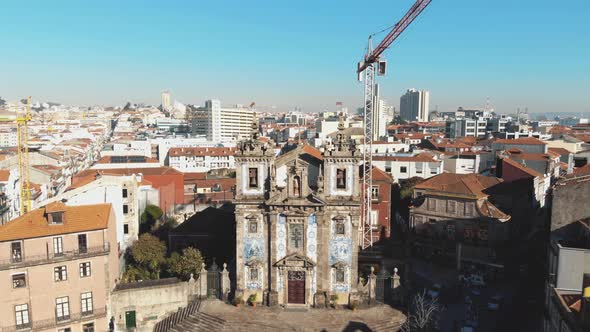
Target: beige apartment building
pixel 54 269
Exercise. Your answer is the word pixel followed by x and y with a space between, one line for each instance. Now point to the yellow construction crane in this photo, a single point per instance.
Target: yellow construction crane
pixel 23 158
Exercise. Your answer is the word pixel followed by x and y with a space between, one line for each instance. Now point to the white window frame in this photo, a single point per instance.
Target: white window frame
pixel 21 315
pixel 85 269
pixel 62 308
pixel 86 305
pixel 58 247
pixel 60 274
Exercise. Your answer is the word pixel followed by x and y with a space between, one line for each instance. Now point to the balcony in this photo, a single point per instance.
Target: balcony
pixel 25 260
pixel 58 322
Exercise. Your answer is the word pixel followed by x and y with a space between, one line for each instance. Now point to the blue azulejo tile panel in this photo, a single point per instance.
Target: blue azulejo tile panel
pixel 341 250
pixel 312 242
pixel 253 249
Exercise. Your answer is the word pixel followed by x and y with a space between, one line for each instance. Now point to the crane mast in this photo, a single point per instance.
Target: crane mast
pixel 23 158
pixel 367 68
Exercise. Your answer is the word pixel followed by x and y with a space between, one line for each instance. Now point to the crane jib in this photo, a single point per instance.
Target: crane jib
pixel 373 55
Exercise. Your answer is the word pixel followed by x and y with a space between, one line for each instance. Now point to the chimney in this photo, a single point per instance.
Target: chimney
pixel 585 309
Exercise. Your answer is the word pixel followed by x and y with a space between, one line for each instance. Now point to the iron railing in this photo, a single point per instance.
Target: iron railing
pixel 26 260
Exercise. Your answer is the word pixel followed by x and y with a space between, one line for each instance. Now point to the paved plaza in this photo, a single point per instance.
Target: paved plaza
pixel 218 316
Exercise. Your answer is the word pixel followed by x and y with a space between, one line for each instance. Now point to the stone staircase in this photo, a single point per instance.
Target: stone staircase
pixel 200 322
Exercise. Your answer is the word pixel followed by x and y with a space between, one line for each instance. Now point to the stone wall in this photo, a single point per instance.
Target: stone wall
pixel 151 301
pixel 570 203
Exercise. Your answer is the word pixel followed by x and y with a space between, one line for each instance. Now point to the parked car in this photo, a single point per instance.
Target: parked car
pixel 494 302
pixel 473 279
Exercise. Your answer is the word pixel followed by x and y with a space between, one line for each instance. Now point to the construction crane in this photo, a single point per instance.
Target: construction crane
pixel 23 158
pixel 372 62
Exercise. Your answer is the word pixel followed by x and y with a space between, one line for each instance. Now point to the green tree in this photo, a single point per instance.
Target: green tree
pixel 148 254
pixel 407 188
pixel 182 266
pixel 149 217
pixel 397 120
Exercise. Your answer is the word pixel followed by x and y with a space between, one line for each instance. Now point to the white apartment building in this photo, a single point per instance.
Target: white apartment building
pixel 466 128
pixel 129 195
pixel 8 138
pixel 403 166
pixel 414 105
pixel 166 103
pixel 223 124
pixel 201 159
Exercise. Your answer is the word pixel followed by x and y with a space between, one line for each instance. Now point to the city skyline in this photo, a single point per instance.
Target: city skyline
pixel 462 52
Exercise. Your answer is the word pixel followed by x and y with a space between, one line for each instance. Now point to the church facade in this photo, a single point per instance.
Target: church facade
pixel 297 222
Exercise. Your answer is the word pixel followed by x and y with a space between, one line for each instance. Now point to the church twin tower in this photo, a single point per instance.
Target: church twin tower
pixel 297 222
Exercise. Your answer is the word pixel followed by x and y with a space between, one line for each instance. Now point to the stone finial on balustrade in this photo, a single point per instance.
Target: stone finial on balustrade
pixel 203 282
pixel 372 285
pixel 225 283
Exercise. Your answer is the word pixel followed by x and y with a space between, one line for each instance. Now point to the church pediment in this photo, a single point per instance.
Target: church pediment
pixel 295 260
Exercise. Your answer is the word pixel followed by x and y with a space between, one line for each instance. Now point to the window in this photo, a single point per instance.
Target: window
pixel 375 192
pixel 60 273
pixel 253 177
pixel 374 218
pixel 22 316
pixel 57 218
pixel 252 226
pixel 19 280
pixel 125 228
pixel 58 248
pixel 62 308
pixel 124 193
pixel 403 169
pixel 469 209
pixel 88 327
pixel 452 207
pixel 17 252
pixel 125 208
pixel 431 204
pixel 388 169
pixel 340 228
pixel 86 303
pixel 340 275
pixel 67 329
pixel 419 168
pixel 85 270
pixel 295 236
pixel 253 274
pixel 341 178
pixel 82 243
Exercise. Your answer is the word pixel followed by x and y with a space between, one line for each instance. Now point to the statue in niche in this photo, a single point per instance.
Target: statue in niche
pixel 297 186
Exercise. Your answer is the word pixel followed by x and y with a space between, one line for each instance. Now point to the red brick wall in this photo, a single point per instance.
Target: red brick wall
pixel 171 187
pixel 384 207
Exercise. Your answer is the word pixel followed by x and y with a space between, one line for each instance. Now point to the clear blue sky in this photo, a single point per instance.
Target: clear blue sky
pixel 519 53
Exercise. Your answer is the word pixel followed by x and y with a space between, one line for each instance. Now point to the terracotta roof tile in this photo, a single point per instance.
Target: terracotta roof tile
pixel 560 151
pixel 79 218
pixel 521 141
pixel 464 184
pixel 4 175
pixel 521 167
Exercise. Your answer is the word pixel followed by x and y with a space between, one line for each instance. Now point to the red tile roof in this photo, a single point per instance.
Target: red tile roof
pixel 79 218
pixel 521 141
pixel 521 167
pixel 560 151
pixel 464 184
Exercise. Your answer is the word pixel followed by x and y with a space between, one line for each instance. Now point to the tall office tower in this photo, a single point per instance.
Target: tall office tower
pixel 379 119
pixel 223 124
pixel 166 104
pixel 414 105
